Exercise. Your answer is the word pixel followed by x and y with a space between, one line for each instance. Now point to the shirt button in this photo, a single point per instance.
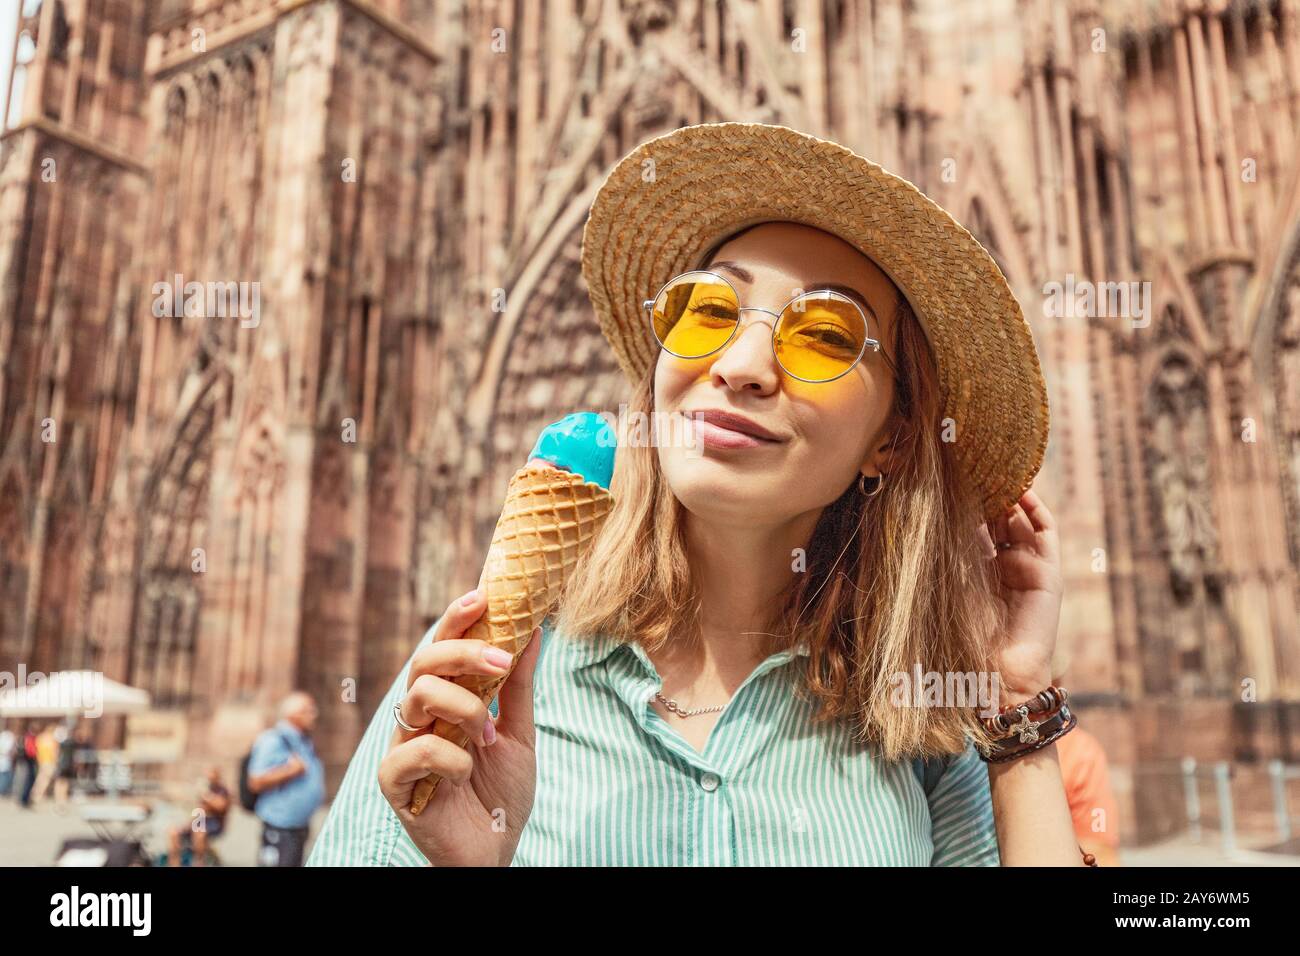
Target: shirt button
pixel 709 782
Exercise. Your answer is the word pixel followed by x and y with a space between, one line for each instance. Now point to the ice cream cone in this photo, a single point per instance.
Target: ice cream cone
pixel 549 519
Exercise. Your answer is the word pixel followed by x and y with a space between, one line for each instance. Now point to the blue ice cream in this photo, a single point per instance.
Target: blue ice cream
pixel 582 443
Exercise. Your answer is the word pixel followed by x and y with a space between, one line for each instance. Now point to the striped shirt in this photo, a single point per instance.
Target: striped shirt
pixel 617 786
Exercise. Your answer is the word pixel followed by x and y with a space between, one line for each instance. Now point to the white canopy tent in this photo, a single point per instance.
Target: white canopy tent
pixel 72 693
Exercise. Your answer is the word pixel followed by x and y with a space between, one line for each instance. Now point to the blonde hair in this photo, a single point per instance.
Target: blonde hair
pixel 892 581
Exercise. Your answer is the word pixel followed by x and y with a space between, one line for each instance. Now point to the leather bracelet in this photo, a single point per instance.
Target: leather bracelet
pixel 1023 727
pixel 1058 727
pixel 1029 732
pixel 1045 702
pixel 1030 739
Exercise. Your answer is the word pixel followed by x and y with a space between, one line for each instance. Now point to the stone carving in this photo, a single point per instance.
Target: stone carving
pixel 644 16
pixel 1180 473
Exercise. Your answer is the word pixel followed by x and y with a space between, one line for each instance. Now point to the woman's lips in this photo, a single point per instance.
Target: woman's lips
pixel 715 436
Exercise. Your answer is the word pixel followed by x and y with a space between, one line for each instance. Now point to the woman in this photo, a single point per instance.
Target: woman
pixel 727 678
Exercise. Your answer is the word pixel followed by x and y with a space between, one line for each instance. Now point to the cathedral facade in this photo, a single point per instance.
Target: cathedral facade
pixel 391 193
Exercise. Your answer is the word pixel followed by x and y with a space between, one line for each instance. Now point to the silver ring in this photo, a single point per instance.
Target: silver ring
pixel 1004 545
pixel 397 716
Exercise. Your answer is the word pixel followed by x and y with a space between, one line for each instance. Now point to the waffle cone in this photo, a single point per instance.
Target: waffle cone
pixel 549 519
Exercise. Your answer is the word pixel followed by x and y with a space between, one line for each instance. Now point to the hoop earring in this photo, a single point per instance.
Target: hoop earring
pixel 880 483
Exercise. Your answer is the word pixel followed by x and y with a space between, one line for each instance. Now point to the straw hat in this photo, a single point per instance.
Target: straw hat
pixel 673 197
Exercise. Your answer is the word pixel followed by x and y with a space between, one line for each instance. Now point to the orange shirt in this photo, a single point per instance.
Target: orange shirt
pixel 1087 787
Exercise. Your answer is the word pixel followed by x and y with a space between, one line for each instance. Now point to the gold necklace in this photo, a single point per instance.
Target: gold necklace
pixel 680 712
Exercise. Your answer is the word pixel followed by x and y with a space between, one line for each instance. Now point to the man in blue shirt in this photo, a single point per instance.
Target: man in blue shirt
pixel 289 781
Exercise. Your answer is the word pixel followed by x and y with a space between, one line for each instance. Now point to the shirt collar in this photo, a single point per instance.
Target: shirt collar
pixel 593 650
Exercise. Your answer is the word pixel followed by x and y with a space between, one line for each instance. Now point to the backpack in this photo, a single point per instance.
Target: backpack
pixel 247 798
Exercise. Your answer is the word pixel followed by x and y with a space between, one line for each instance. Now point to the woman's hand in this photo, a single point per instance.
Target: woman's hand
pixel 479 809
pixel 1031 591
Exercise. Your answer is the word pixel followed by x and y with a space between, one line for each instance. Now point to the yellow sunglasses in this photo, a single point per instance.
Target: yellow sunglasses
pixel 818 335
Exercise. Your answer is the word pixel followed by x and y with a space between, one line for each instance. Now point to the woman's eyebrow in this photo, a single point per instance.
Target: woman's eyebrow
pixel 739 271
pixel 744 275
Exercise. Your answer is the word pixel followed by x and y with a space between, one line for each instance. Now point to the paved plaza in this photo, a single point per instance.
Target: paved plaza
pixel 32 838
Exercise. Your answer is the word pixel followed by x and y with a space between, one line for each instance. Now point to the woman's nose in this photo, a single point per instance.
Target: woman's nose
pixel 748 356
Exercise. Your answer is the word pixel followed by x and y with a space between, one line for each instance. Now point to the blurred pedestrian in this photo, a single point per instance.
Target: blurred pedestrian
pixel 8 756
pixel 289 780
pixel 84 757
pixel 66 768
pixel 206 823
pixel 47 762
pixel 27 759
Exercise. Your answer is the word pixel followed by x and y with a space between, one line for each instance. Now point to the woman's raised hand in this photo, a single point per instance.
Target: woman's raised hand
pixel 1029 566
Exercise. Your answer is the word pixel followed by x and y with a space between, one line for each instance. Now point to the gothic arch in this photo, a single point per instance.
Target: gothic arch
pixel 191 100
pixel 175 107
pixel 1275 347
pixel 1277 259
pixel 1172 298
pixel 569 366
pixel 199 399
pixel 244 66
pixel 566 228
pixel 986 209
pixel 1171 336
pixel 173 509
pixel 1265 325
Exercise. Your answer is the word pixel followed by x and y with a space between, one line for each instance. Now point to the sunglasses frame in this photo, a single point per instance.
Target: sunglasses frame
pixel 868 343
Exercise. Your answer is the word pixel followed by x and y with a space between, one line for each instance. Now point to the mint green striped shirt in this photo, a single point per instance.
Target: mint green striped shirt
pixel 618 786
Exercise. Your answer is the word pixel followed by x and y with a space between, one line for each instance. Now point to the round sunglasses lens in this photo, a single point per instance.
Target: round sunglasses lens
pixel 820 336
pixel 695 314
